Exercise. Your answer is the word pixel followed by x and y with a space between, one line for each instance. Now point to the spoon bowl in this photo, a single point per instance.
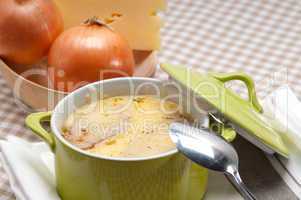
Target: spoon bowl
pixel 211 151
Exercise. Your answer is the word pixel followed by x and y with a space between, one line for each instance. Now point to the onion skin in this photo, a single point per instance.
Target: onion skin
pixel 27 29
pixel 88 53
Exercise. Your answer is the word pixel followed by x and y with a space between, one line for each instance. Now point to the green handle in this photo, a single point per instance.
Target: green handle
pixel 33 121
pixel 227 132
pixel 225 77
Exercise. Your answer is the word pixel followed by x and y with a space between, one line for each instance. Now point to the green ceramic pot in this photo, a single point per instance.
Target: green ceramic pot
pixel 84 176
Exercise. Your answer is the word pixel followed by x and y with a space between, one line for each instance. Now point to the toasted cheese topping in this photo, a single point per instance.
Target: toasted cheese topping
pixel 123 126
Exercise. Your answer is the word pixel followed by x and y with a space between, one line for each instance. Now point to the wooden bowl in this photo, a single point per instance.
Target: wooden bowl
pixel 34 93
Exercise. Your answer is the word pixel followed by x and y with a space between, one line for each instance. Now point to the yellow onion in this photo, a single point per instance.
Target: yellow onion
pixel 27 29
pixel 88 53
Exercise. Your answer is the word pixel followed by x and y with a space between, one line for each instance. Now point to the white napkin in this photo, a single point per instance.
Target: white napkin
pixel 30 167
pixel 283 110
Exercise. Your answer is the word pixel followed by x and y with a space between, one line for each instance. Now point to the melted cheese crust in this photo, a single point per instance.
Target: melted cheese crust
pixel 123 126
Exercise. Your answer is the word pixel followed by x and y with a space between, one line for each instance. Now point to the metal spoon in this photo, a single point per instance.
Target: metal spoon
pixel 210 151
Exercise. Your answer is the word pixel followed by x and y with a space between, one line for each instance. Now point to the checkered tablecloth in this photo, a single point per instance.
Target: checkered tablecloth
pixel 261 38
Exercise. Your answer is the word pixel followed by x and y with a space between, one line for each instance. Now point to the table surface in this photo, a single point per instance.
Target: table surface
pixel 261 38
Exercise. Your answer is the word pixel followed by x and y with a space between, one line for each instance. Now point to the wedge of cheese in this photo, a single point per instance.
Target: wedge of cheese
pixel 136 20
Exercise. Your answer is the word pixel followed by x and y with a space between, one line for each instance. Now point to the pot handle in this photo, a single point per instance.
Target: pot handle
pixel 228 133
pixel 248 81
pixel 223 129
pixel 33 121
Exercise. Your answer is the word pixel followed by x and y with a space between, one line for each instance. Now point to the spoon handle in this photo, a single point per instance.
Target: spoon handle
pixel 237 182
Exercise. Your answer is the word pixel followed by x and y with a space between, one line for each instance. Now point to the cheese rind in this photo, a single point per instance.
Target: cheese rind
pixel 136 20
